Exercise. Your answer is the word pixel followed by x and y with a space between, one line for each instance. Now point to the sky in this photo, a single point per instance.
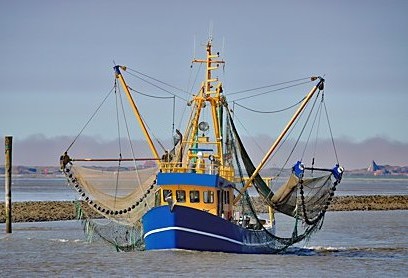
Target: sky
pixel 57 59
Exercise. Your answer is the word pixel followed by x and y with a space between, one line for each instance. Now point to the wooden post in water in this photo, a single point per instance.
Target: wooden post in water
pixel 8 152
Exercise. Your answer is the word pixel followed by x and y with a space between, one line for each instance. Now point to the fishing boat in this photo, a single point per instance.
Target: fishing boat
pixel 199 195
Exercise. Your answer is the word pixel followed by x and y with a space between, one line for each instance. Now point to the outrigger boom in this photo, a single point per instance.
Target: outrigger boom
pixel 113 159
pixel 136 110
pixel 320 86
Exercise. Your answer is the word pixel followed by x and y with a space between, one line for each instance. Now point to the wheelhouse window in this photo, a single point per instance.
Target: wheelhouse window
pixel 167 193
pixel 208 197
pixel 181 196
pixel 194 196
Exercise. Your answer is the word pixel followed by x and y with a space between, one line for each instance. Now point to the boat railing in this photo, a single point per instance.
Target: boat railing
pixel 197 167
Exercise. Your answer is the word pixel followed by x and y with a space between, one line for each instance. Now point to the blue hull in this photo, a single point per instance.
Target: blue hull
pixel 191 229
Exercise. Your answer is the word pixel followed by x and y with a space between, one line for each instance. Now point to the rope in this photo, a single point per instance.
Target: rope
pixel 90 119
pixel 297 141
pixel 318 129
pixel 247 132
pixel 272 91
pixel 307 120
pixel 269 112
pixel 161 97
pixel 268 86
pixel 133 154
pixel 119 141
pixel 154 85
pixel 147 95
pixel 131 146
pixel 157 80
pixel 173 115
pixel 195 79
pixel 331 134
pixel 117 116
pixel 318 112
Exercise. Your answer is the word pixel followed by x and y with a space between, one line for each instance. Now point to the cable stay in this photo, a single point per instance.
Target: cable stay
pixel 157 80
pixel 157 86
pixel 268 86
pixel 92 116
pixel 272 91
pixel 149 95
pixel 161 97
pixel 268 112
pixel 174 95
pixel 147 126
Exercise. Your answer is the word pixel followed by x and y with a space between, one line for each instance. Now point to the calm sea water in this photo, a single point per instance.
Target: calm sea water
pixel 350 244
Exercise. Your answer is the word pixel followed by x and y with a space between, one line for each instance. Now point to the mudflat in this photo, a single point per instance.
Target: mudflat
pixel 66 210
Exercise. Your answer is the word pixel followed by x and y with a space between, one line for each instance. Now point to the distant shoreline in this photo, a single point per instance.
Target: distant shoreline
pixel 65 210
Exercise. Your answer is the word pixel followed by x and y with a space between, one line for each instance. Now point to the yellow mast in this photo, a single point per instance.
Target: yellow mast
pixel 279 139
pixel 208 94
pixel 136 110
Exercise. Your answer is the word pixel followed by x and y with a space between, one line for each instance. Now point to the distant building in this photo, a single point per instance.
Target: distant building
pixel 377 170
pixel 373 167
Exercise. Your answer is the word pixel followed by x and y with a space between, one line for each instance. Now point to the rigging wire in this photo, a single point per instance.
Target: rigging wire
pixel 268 112
pixel 90 119
pixel 161 97
pixel 119 142
pixel 272 91
pixel 331 134
pixel 287 136
pixel 154 85
pixel 173 115
pixel 246 130
pixel 148 95
pixel 157 80
pixel 117 92
pixel 297 141
pixel 131 146
pixel 195 79
pixel 277 149
pixel 154 136
pixel 304 126
pixel 318 129
pixel 318 113
pixel 191 83
pixel 189 94
pixel 268 86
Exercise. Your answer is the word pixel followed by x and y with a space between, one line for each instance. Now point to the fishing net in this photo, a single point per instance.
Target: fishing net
pixel 113 202
pixel 305 199
pixel 314 193
pixel 114 199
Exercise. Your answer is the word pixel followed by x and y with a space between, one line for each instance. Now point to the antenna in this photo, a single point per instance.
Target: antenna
pixel 223 46
pixel 194 46
pixel 210 30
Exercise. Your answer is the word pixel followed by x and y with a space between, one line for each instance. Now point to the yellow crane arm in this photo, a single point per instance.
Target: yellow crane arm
pixel 279 139
pixel 119 76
